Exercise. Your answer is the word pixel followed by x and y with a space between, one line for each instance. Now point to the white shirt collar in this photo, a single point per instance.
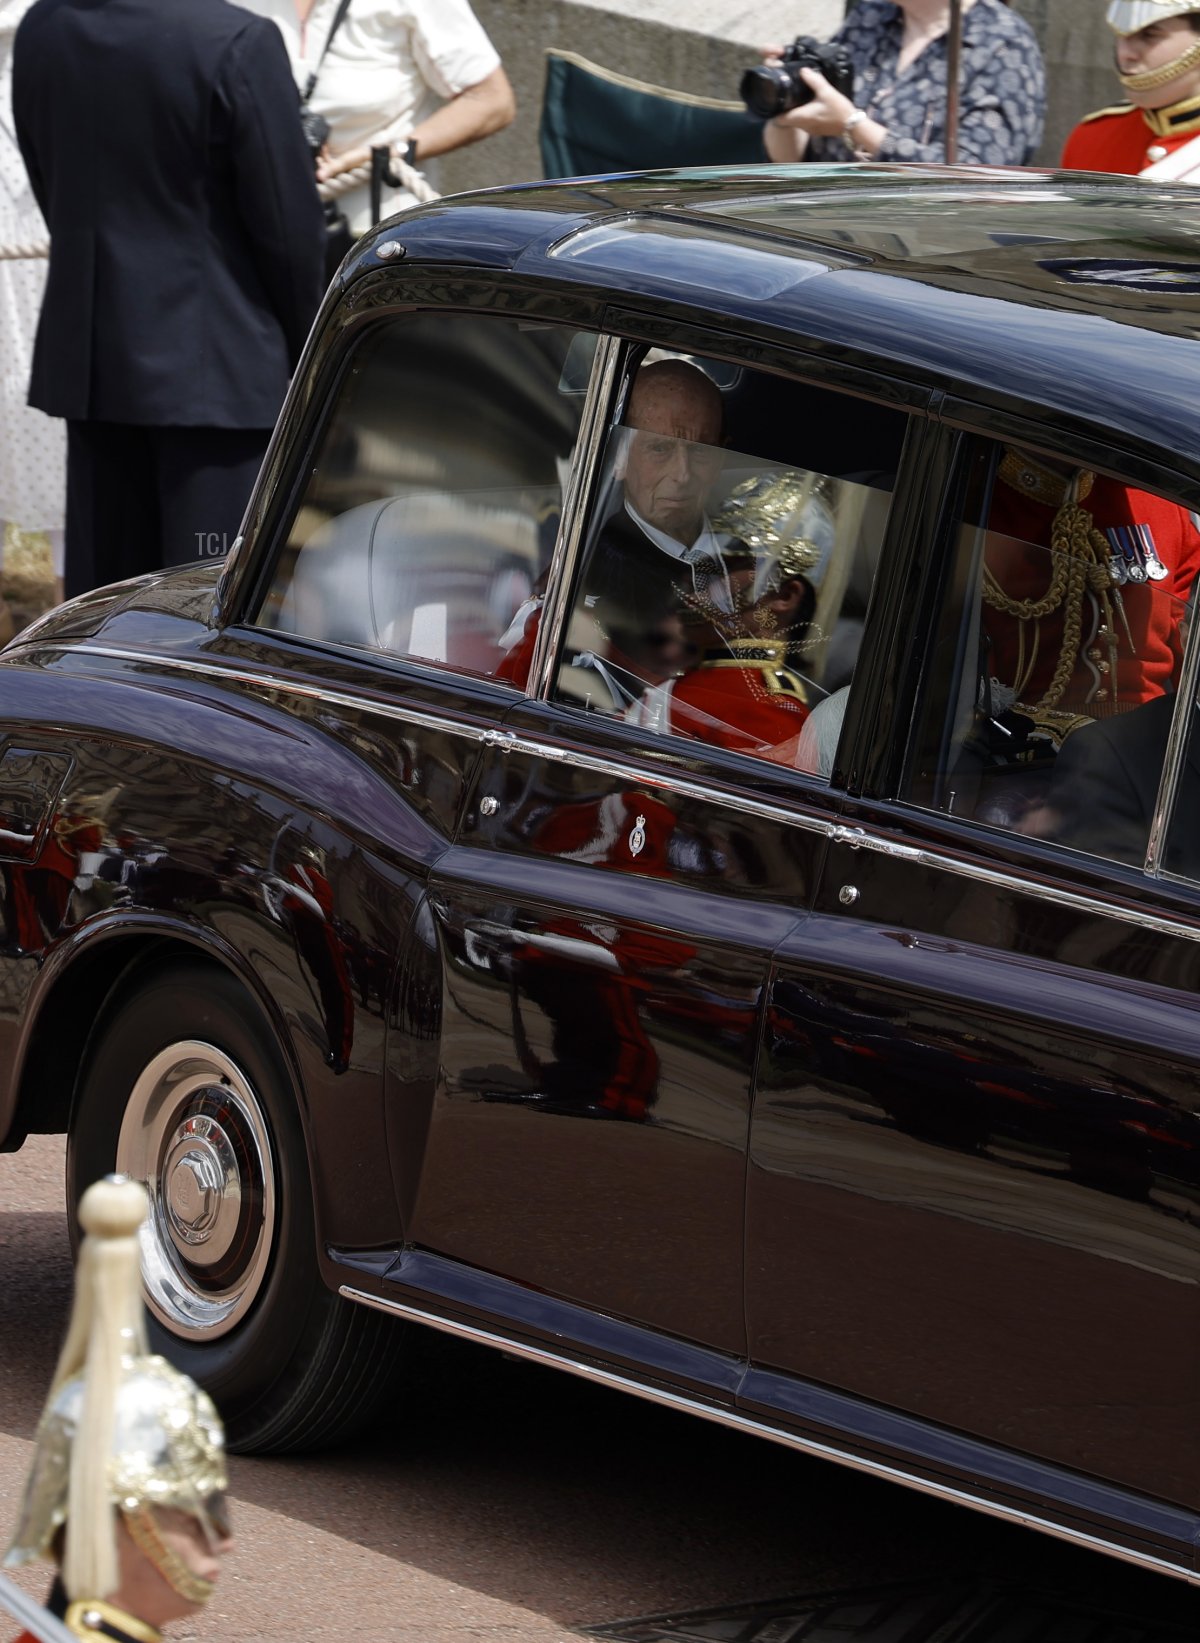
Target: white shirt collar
pixel 708 542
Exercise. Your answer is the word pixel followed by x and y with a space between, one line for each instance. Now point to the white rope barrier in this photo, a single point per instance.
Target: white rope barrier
pixel 25 251
pixel 410 179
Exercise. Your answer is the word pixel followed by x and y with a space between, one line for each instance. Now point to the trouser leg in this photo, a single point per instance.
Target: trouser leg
pixel 112 505
pixel 205 476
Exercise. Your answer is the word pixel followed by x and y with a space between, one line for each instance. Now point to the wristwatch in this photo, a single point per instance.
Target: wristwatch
pixel 410 152
pixel 857 116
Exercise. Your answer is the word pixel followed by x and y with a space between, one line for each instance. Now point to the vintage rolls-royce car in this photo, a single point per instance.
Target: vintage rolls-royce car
pixel 669 844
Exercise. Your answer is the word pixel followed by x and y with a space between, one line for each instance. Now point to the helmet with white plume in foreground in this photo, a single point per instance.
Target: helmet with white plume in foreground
pixel 125 1440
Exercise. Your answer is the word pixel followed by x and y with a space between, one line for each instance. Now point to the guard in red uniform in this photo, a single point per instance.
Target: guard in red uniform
pixel 1156 134
pixel 1086 583
pixel 743 693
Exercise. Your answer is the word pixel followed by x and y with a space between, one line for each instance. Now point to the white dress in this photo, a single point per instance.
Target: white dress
pixel 390 64
pixel 32 445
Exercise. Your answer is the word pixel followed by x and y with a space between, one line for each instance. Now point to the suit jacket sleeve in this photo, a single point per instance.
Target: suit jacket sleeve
pixel 276 187
pixel 23 103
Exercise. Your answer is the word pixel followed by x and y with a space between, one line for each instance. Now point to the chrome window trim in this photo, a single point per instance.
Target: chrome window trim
pixel 740 1421
pixel 353 700
pixel 593 429
pixel 1007 880
pixel 1173 761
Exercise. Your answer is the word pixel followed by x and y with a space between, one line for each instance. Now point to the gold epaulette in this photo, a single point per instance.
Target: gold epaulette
pixel 761 656
pixel 1105 113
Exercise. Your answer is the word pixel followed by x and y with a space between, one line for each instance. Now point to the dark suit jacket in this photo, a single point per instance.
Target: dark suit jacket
pixel 163 143
pixel 631 584
pixel 1105 784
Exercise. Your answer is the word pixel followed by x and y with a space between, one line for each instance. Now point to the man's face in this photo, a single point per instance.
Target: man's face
pixel 1154 47
pixel 673 458
pixel 145 1589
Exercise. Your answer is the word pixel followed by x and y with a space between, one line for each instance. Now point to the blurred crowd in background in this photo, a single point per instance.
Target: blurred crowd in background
pixel 165 239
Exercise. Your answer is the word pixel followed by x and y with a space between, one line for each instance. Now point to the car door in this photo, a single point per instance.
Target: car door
pixel 608 914
pixel 974 1173
pixel 422 517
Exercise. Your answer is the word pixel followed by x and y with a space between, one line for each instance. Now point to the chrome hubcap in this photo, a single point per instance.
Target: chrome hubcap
pixel 195 1135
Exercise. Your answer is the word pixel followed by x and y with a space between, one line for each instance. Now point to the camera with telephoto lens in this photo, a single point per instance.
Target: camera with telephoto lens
pixel 774 88
pixel 316 131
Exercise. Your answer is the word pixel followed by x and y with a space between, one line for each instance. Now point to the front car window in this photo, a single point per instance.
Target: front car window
pixel 429 517
pixel 729 560
pixel 1058 654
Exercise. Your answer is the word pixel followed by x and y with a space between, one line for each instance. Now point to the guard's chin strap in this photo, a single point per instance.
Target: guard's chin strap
pixel 1150 79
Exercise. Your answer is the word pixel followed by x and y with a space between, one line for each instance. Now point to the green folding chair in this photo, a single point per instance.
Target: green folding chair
pixel 594 120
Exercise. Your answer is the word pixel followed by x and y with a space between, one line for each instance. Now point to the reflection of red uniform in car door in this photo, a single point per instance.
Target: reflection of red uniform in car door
pixel 309 906
pixel 623 1076
pixel 597 951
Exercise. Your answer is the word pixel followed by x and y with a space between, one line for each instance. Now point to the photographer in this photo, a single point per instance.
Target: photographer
pixel 897 111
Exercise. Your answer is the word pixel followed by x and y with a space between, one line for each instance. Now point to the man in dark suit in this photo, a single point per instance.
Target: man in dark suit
pixel 658 554
pixel 163 144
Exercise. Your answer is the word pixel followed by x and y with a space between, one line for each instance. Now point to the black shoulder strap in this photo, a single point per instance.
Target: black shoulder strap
pixel 339 18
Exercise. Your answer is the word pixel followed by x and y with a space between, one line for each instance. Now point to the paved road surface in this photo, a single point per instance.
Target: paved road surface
pixel 504 1504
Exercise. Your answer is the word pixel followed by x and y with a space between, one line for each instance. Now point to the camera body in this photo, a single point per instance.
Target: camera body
pixel 774 88
pixel 316 131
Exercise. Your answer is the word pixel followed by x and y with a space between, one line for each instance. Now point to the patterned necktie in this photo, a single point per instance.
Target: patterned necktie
pixel 708 577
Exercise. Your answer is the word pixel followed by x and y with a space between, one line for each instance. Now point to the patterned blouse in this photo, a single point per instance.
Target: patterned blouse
pixel 1001 103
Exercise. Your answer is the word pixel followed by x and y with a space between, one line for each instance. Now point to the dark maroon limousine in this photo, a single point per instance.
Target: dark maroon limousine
pixel 669 846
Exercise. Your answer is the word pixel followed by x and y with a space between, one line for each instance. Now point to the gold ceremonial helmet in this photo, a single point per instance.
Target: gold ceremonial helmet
pixel 121 1427
pixel 1128 16
pixel 785 518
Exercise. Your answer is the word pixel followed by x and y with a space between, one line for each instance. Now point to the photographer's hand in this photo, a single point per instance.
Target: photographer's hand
pixel 828 114
pixel 782 145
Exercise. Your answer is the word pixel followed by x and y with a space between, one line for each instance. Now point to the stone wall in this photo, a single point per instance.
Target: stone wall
pixel 703 46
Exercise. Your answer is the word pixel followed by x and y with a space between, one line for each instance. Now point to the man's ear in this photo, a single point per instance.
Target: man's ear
pixel 794 597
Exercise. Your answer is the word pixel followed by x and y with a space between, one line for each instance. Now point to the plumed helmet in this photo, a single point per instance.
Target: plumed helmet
pixel 121 1427
pixel 1128 16
pixel 785 518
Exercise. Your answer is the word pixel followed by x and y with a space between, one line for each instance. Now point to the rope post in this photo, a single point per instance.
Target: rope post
pixel 953 79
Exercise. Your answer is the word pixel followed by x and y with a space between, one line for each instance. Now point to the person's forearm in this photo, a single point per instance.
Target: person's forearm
pixel 866 137
pixel 784 144
pixel 477 112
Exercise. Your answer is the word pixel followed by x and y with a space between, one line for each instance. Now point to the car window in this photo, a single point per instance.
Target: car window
pixel 1181 849
pixel 1051 688
pixel 729 558
pixel 430 513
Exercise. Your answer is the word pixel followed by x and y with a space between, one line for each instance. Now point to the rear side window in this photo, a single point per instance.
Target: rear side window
pixel 729 559
pixel 431 511
pixel 1052 683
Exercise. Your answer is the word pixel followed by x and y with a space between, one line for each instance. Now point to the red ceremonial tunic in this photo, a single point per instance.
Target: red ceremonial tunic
pixel 748 701
pixel 1127 139
pixel 1019 527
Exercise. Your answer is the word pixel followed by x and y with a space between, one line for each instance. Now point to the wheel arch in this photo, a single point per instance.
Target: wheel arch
pixel 89 975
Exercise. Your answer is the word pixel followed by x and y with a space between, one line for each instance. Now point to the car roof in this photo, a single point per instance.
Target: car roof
pixel 1075 292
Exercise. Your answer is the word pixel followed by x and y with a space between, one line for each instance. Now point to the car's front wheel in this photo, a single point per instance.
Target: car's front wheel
pixel 186 1092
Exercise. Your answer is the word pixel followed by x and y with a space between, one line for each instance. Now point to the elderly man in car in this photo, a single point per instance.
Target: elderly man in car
pixel 685 606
